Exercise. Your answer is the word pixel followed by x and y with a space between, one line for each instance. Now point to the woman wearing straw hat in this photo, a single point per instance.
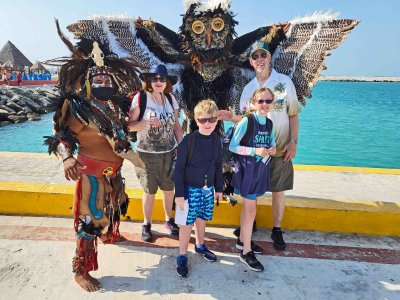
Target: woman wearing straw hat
pixel 154 116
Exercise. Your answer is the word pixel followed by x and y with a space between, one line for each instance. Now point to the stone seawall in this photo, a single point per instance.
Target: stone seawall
pixel 19 104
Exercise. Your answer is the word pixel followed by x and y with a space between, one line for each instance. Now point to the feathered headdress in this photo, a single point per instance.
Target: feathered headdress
pixel 89 58
pixel 202 6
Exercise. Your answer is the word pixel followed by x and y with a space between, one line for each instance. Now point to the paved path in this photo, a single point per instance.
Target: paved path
pixel 342 185
pixel 36 253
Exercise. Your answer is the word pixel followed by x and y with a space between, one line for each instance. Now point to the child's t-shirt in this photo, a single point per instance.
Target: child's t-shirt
pixel 206 159
pixel 251 171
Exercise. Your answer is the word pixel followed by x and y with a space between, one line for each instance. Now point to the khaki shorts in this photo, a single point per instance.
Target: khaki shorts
pixel 281 175
pixel 154 174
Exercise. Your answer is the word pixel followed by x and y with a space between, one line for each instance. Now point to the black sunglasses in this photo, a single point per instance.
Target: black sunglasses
pixel 209 120
pixel 161 78
pixel 254 56
pixel 266 101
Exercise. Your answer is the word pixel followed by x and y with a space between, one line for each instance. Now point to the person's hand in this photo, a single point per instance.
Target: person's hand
pixel 155 122
pixel 272 151
pixel 179 201
pixel 290 151
pixel 261 151
pixel 218 197
pixel 225 115
pixel 72 169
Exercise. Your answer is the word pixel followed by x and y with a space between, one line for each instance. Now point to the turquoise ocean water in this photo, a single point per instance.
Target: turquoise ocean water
pixel 344 124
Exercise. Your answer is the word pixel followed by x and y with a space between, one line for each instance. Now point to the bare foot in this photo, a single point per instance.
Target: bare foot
pixel 86 283
pixel 93 280
pixel 107 238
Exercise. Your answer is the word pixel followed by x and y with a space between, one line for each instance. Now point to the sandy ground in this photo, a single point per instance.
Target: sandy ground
pixel 33 267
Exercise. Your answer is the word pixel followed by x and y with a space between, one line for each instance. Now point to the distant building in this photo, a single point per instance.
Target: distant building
pixel 12 58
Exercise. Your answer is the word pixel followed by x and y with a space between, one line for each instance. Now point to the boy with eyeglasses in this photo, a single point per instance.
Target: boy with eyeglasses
pixel 198 182
pixel 284 116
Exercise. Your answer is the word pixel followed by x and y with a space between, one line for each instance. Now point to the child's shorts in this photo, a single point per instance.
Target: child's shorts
pixel 201 205
pixel 249 197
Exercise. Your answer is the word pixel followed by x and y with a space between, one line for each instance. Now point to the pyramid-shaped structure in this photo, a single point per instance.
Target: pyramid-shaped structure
pixel 10 53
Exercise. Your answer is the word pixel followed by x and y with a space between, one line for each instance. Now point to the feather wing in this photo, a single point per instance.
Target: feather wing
pixel 145 41
pixel 241 77
pixel 302 54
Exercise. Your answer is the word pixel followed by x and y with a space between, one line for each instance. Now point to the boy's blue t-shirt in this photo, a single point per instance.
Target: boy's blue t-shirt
pixel 206 158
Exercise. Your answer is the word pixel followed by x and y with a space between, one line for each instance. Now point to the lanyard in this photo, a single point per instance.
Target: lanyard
pixel 206 175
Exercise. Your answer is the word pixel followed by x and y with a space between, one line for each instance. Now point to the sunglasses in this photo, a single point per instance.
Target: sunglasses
pixel 266 101
pixel 209 120
pixel 160 78
pixel 254 56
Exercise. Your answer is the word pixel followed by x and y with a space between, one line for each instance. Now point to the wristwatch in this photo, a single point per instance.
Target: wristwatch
pixel 293 142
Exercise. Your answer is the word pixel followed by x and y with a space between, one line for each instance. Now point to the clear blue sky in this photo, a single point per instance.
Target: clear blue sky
pixel 372 49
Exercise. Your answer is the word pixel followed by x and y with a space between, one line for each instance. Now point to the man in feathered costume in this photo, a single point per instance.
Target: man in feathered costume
pixel 92 118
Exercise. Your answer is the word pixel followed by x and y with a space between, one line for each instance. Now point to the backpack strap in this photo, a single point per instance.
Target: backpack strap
pixel 249 131
pixel 169 97
pixel 218 143
pixel 191 145
pixel 142 101
pixel 270 125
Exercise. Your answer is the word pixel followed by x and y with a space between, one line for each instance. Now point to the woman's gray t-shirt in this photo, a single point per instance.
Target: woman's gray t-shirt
pixel 161 139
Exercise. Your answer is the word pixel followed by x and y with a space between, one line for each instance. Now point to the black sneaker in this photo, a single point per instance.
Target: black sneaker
pixel 146 233
pixel 207 254
pixel 251 261
pixel 254 247
pixel 236 232
pixel 172 228
pixel 279 243
pixel 181 266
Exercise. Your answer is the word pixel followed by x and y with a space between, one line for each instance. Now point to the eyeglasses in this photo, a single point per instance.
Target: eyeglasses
pixel 161 78
pixel 266 101
pixel 209 120
pixel 254 56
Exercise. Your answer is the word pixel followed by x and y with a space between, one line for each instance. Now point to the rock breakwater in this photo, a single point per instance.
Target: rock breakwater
pixel 20 104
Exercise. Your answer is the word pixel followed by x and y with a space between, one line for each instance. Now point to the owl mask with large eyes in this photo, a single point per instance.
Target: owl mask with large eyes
pixel 207 32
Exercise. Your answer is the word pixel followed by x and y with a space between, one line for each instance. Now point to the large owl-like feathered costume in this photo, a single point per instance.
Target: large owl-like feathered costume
pixel 210 60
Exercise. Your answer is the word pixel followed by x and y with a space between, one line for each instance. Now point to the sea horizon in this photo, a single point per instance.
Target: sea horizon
pixel 351 124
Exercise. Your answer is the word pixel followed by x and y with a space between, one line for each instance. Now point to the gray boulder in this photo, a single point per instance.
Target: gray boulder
pixel 17 119
pixel 8 109
pixel 33 117
pixel 3 115
pixel 4 98
pixel 25 110
pixel 26 102
pixel 11 104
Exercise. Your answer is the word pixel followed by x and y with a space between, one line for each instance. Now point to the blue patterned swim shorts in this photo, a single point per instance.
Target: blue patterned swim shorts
pixel 201 204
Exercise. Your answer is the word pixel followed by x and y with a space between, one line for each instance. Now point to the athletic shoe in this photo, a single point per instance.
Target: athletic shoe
pixel 250 260
pixel 146 233
pixel 207 254
pixel 172 228
pixel 236 232
pixel 181 266
pixel 254 247
pixel 279 243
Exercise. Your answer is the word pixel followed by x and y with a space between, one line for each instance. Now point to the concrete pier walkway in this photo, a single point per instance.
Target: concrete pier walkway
pixel 36 254
pixel 340 263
